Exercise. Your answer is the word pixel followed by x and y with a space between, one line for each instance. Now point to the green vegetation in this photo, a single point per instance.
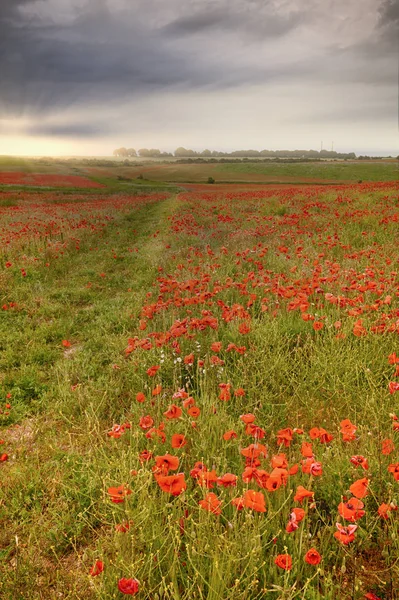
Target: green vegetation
pixel 272 303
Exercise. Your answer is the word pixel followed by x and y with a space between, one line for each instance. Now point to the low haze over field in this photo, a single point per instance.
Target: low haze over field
pixel 87 76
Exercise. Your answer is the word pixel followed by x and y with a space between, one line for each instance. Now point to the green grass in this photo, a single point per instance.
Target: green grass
pixel 342 171
pixel 183 255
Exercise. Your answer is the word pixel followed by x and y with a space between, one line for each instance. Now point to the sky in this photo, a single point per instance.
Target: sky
pixel 83 77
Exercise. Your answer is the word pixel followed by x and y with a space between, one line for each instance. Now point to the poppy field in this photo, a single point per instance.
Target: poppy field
pixel 199 393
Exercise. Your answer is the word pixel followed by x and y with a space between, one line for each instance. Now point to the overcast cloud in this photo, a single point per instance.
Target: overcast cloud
pixel 86 76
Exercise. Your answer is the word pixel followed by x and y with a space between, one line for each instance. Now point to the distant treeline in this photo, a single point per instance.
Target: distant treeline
pixel 187 153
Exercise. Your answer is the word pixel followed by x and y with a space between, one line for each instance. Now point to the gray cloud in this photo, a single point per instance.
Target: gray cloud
pixel 251 24
pixel 107 53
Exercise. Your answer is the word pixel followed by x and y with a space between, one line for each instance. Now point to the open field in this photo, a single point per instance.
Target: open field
pixel 199 386
pixel 116 174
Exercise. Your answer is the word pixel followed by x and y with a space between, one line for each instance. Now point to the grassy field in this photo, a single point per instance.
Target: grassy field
pixel 154 174
pixel 196 387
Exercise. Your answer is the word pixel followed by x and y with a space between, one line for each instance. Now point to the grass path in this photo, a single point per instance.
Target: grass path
pixel 88 298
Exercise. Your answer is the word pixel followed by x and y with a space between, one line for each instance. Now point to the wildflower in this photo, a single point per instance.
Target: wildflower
pixel 118 494
pixel 173 412
pixel 166 463
pixel 146 422
pixel 345 535
pixel 387 447
pixel 254 500
pixel 394 469
pixel 302 493
pixel 284 437
pixel 178 440
pixel 351 510
pixel 130 587
pixel 359 488
pixel 312 557
pixel 229 435
pixel 224 391
pixel 227 480
pixel 360 460
pixel 97 568
pixel 296 516
pixel 194 412
pixel 393 387
pixel 153 370
pixel 173 484
pixel 248 418
pixel 254 451
pixel 211 503
pixel 140 397
pixel 284 561
pixel 384 509
pixel 348 431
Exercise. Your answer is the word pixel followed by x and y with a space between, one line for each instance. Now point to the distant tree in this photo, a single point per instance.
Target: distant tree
pixel 121 152
pixel 185 153
pixel 153 153
pixel 131 152
pixel 206 153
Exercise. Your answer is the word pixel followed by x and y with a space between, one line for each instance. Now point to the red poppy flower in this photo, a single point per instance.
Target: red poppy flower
pixel 227 480
pixel 166 463
pixel 216 346
pixel 173 412
pixel 140 397
pixel 345 535
pixel 153 370
pixel 173 484
pixel 229 435
pixel 360 460
pixel 394 469
pixel 118 494
pixel 302 493
pixel 296 516
pixel 284 561
pixel 248 418
pixel 130 587
pixel 387 447
pixel 146 422
pixel 254 500
pixel 97 568
pixel 178 440
pixel 254 451
pixel 211 503
pixel 207 478
pixel 348 430
pixel 194 412
pixel 224 391
pixel 284 437
pixel 312 557
pixel 307 449
pixel 393 386
pixel 359 488
pixel 351 510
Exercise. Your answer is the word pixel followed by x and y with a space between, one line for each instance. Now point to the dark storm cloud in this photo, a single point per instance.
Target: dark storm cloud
pixel 71 130
pixel 108 56
pixel 108 53
pixel 226 19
